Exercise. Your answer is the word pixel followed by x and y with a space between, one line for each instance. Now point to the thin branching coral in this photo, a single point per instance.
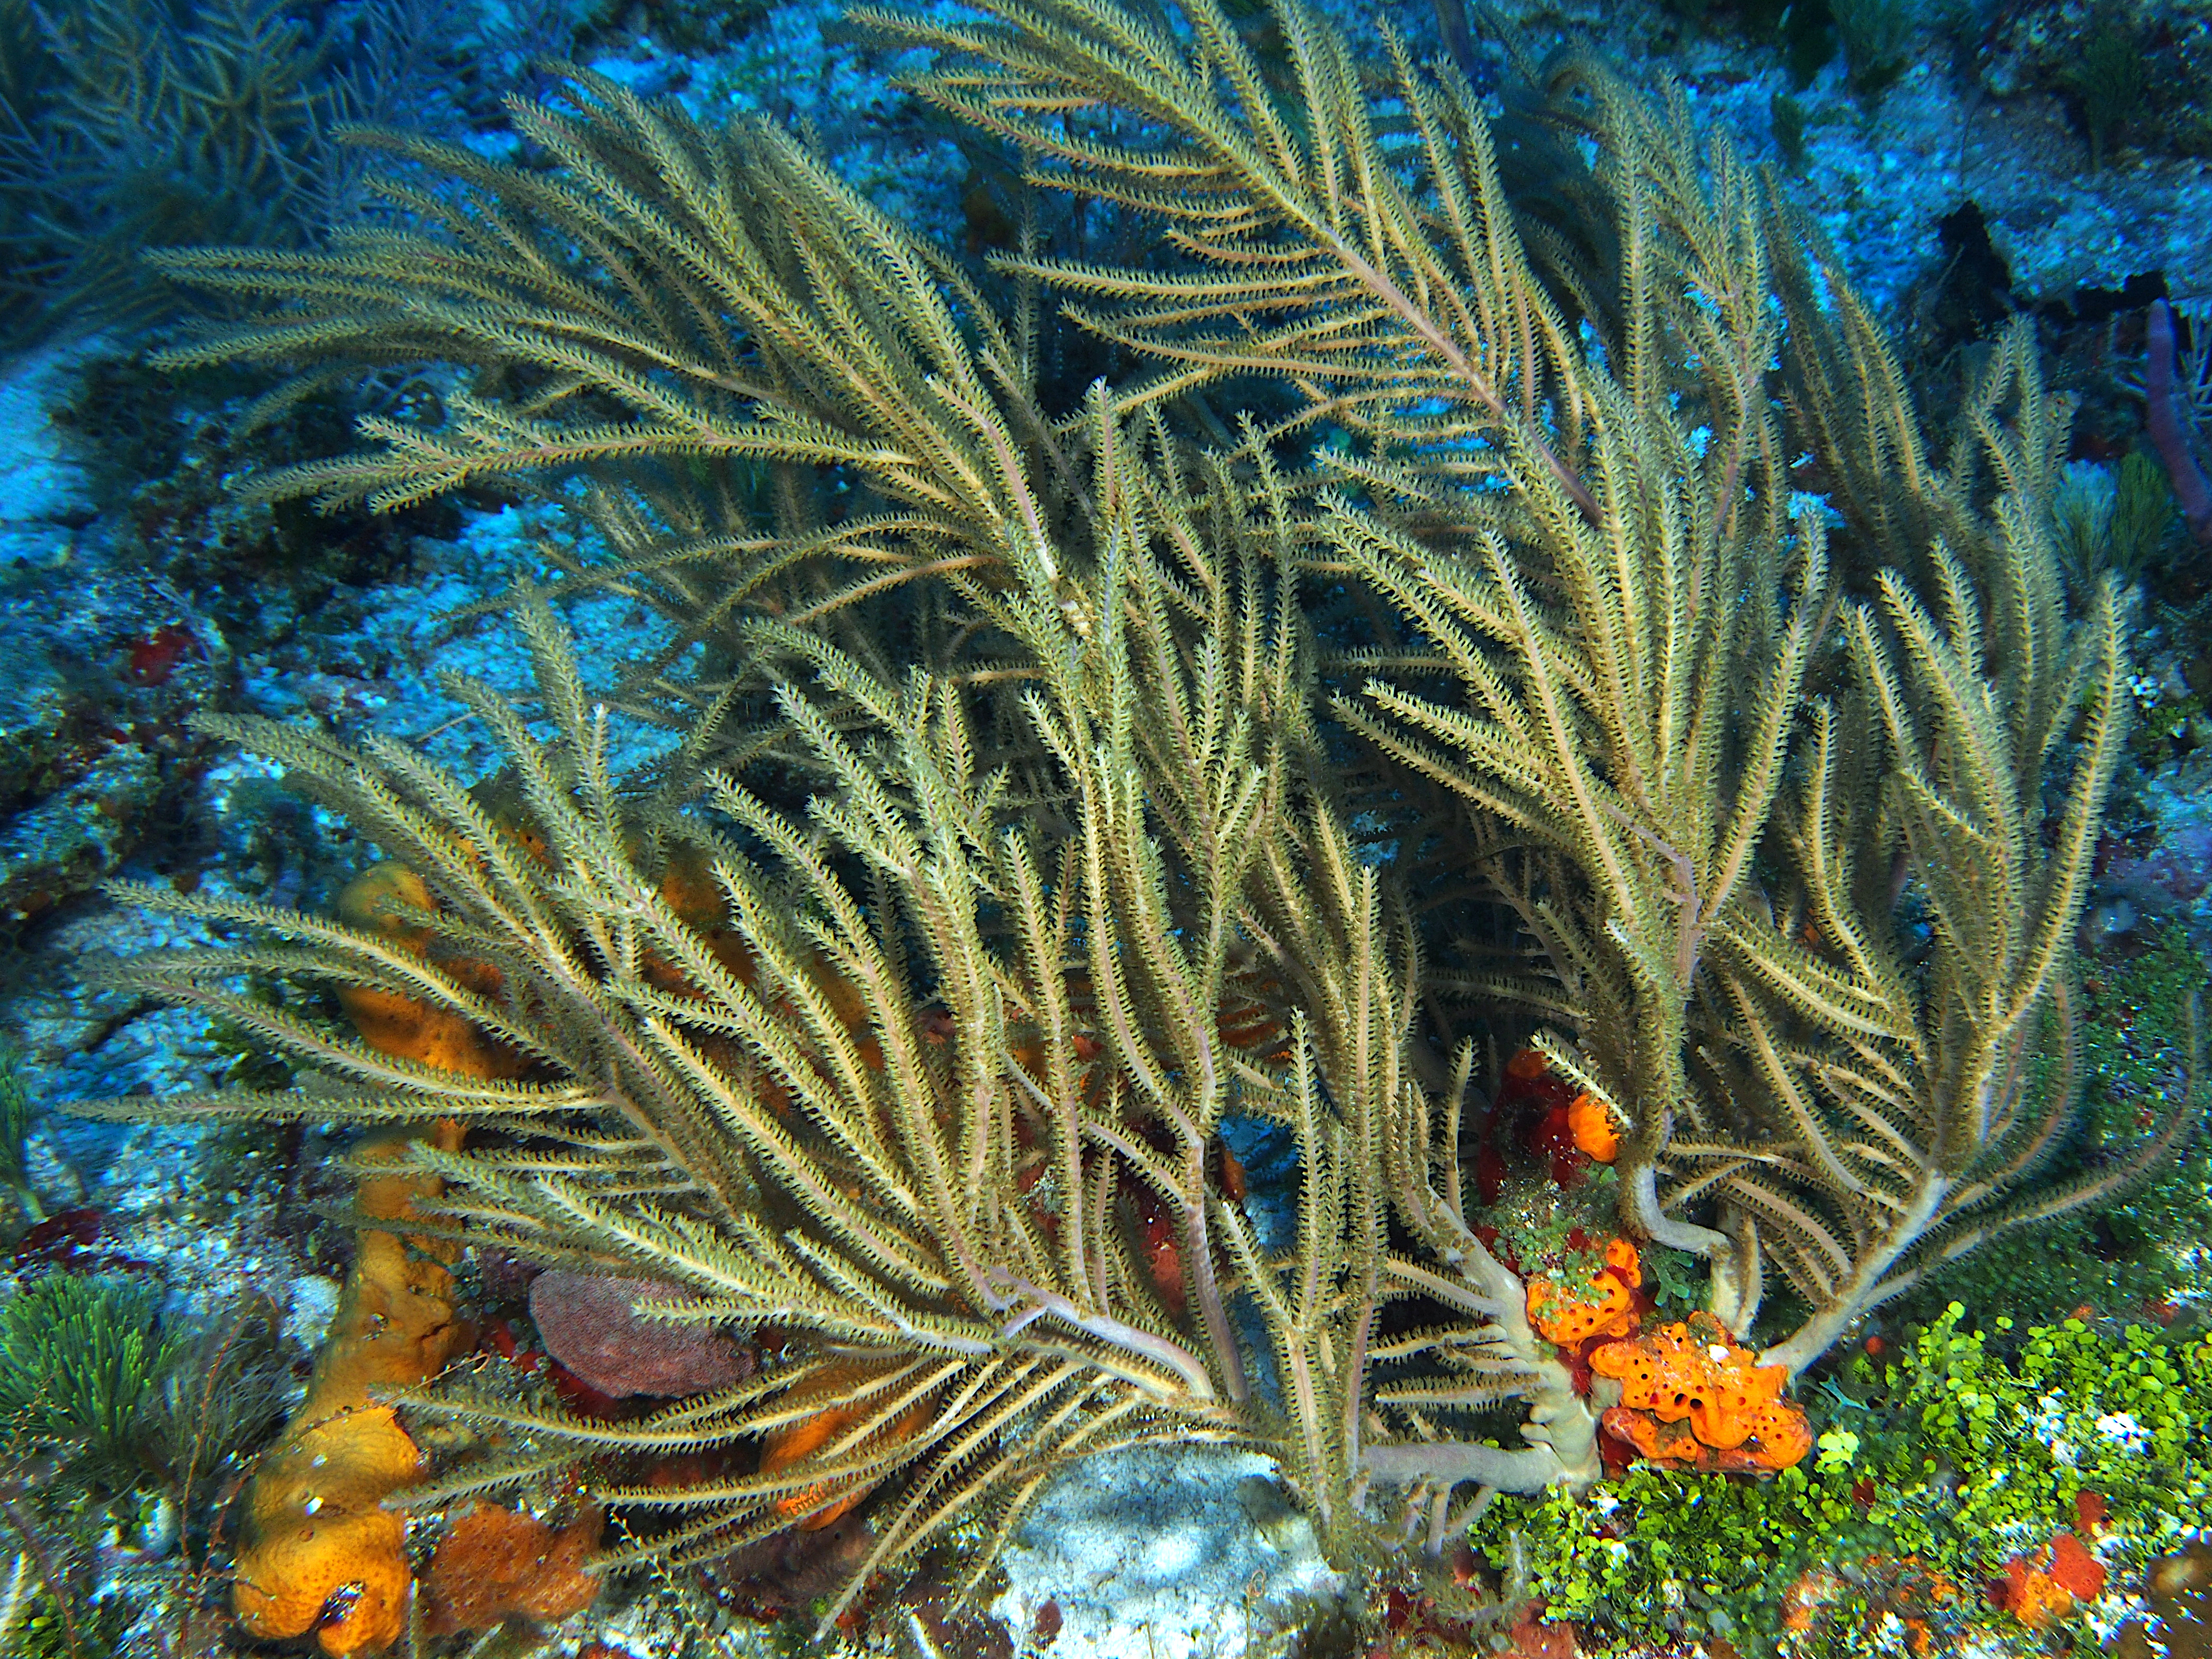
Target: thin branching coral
pixel 938 1209
pixel 137 124
pixel 1738 766
pixel 672 300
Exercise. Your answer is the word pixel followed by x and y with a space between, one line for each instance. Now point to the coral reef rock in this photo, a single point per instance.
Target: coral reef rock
pixel 2178 1588
pixel 1168 1553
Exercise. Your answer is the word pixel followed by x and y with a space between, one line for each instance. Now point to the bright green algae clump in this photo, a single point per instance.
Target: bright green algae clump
pixel 1933 1473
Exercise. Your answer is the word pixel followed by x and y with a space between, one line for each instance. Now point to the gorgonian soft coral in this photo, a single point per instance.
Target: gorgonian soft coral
pixel 1050 783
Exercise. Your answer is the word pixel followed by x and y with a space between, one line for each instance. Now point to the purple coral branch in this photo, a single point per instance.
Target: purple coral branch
pixel 2169 433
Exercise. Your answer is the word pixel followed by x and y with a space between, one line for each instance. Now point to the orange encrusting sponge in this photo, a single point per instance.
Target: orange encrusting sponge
pixel 1607 1308
pixel 1591 1125
pixel 784 1447
pixel 493 1563
pixel 1691 1395
pixel 382 899
pixel 317 1550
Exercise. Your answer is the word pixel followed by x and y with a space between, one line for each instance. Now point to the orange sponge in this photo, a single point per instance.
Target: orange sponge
pixel 317 1550
pixel 787 1447
pixel 493 1563
pixel 1527 1066
pixel 2044 1589
pixel 384 899
pixel 1607 1308
pixel 1692 1394
pixel 1591 1125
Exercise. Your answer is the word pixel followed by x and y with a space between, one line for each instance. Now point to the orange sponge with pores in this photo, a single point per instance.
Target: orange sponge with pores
pixel 1697 1374
pixel 1779 1436
pixel 1607 1308
pixel 319 1552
